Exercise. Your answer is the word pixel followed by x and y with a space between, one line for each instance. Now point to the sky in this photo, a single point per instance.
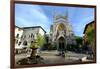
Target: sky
pixel 27 15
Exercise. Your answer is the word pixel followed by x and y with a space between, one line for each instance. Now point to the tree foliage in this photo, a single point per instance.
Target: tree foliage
pixel 78 40
pixel 90 35
pixel 40 40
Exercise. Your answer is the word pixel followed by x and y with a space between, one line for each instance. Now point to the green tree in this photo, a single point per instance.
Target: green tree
pixel 40 40
pixel 91 35
pixel 78 40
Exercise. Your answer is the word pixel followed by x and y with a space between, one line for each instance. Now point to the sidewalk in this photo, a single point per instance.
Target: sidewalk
pixel 50 57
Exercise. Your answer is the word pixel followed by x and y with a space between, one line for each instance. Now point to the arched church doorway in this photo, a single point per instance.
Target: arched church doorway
pixel 61 42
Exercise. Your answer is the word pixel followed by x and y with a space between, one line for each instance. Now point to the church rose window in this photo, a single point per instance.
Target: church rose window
pixel 61 27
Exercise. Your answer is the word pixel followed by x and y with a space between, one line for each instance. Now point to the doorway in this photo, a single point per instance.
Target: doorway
pixel 61 43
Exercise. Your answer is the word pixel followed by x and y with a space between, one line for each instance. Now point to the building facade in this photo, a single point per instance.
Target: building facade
pixel 61 32
pixel 89 35
pixel 27 35
pixel 18 34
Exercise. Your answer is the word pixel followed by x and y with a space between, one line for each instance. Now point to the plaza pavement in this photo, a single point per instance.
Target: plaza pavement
pixel 50 57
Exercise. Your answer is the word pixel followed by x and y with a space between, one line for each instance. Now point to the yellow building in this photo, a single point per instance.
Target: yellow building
pixel 89 35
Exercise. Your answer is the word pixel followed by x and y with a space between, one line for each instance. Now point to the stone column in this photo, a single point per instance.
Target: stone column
pixel 57 42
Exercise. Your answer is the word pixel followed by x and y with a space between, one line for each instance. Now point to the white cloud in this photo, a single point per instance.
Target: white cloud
pixel 31 16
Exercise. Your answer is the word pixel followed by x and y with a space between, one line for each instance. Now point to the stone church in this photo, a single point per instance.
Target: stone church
pixel 61 33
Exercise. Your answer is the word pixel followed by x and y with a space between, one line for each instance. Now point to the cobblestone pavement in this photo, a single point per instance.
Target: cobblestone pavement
pixel 50 57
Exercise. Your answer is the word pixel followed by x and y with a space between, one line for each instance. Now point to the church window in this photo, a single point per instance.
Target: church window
pixel 61 27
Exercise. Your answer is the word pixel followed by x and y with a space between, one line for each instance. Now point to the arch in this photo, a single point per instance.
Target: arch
pixel 61 42
pixel 61 39
pixel 61 27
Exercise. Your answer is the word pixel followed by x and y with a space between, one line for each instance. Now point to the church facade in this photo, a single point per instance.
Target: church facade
pixel 61 33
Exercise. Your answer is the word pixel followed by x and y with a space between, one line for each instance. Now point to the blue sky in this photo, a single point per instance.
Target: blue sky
pixel 41 15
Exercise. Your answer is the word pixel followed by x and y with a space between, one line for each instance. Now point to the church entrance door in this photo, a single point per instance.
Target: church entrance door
pixel 61 43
